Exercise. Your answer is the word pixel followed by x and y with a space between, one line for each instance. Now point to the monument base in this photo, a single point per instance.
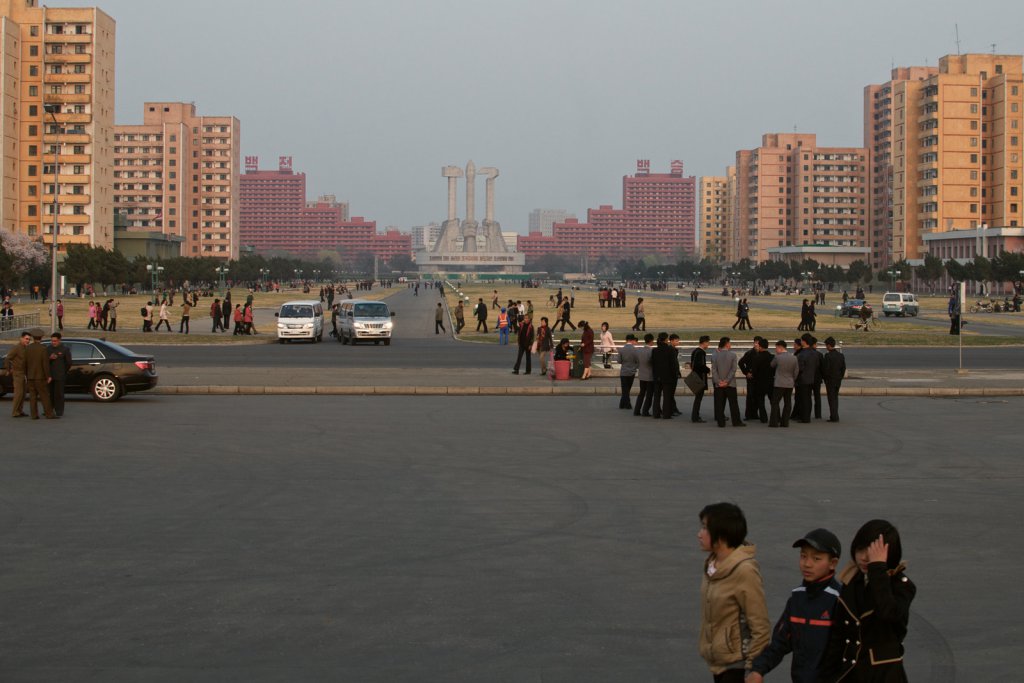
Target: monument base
pixel 470 262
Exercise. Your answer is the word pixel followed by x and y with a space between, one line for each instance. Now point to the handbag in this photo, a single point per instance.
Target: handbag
pixel 695 383
pixel 533 347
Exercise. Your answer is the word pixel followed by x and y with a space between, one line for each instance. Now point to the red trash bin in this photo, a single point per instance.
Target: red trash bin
pixel 562 369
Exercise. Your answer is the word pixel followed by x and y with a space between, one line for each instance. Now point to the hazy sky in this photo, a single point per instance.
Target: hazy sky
pixel 372 97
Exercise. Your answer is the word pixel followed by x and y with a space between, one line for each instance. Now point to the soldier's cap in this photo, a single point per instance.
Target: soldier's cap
pixel 630 337
pixel 820 539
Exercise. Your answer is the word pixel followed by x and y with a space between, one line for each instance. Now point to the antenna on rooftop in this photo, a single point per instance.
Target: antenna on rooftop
pixel 956 30
pixel 993 48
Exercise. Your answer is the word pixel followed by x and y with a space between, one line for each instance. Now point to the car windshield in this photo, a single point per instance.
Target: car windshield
pixel 296 311
pixel 892 297
pixel 371 311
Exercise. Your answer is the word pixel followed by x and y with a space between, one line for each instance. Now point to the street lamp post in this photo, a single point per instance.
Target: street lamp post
pixel 264 272
pixel 53 110
pixel 222 272
pixel 154 274
pixel 894 273
pixel 298 274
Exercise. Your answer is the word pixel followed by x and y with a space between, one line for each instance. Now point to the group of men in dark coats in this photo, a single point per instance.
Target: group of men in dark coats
pixel 41 371
pixel 772 376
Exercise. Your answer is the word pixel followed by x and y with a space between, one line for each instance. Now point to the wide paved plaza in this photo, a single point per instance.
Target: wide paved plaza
pixel 471 539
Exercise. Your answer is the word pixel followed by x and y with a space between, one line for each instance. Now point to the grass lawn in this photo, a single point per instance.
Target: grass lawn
pixel 714 315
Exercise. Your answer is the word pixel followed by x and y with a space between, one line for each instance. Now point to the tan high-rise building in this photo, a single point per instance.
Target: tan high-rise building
pixel 878 139
pixel 178 173
pixel 796 199
pixel 956 151
pixel 714 219
pixel 57 122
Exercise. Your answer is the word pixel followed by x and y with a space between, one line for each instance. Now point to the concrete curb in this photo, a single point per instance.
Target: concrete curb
pixel 554 390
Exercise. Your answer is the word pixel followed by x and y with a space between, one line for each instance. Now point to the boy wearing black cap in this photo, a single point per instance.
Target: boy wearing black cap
pixel 804 626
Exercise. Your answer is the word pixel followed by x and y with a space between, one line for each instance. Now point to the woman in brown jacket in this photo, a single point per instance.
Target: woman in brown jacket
pixel 734 625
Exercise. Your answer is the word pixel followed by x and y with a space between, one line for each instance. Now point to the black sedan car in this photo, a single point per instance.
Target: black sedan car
pixel 101 368
pixel 851 308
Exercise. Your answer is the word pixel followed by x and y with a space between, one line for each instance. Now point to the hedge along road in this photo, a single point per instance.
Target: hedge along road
pixel 415 345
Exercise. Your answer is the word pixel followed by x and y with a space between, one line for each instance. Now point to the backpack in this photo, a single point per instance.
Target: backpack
pixel 143 311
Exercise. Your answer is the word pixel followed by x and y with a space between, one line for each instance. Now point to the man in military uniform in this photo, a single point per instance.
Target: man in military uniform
pixel 15 364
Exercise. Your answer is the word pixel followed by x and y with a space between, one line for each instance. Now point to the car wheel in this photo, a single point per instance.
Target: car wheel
pixel 352 340
pixel 280 341
pixel 105 388
pixel 887 315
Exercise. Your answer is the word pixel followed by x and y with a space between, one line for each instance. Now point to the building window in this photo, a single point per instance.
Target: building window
pixel 32 209
pixel 33 91
pixel 33 110
pixel 974 92
pixel 33 50
pixel 32 170
pixel 33 31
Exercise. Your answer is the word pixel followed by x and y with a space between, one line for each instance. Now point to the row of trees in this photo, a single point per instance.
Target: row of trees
pixel 1006 267
pixel 24 260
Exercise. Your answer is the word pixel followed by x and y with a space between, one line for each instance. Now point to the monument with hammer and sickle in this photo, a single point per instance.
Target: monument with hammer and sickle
pixel 469 245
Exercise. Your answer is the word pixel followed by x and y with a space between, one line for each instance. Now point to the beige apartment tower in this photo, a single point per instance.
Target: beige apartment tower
pixel 57 122
pixel 714 217
pixel 878 139
pixel 956 149
pixel 796 199
pixel 178 173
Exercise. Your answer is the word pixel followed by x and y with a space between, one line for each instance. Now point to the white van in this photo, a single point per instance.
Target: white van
pixel 901 304
pixel 362 319
pixel 300 320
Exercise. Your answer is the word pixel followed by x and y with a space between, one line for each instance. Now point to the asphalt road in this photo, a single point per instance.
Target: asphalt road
pixel 458 539
pixel 414 345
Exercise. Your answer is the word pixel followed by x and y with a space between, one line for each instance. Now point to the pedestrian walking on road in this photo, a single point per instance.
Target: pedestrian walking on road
pixel 439 319
pixel 628 361
pixel 481 315
pixel 734 625
pixel 873 610
pixel 544 344
pixel 164 317
pixel 503 327
pixel 186 313
pixel 60 314
pixel 226 310
pixel 639 316
pixel 524 341
pixel 566 315
pixel 215 316
pixel 460 317
pixel 112 325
